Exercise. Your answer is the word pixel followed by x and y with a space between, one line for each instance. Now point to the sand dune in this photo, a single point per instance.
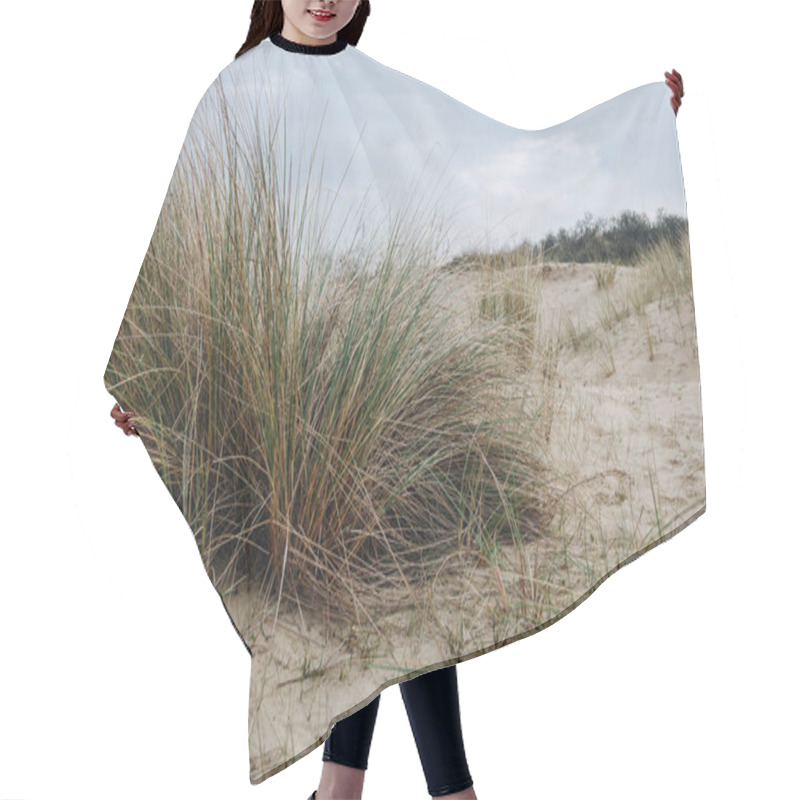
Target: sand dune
pixel 619 391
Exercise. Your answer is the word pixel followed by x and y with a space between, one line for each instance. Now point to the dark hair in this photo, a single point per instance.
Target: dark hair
pixel 266 18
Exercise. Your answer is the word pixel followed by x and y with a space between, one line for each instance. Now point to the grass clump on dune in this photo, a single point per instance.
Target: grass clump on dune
pixel 322 430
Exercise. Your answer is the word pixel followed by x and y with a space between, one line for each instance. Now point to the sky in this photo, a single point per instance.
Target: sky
pixel 393 141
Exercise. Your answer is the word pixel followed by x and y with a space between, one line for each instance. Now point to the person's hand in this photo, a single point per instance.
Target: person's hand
pixel 123 420
pixel 675 82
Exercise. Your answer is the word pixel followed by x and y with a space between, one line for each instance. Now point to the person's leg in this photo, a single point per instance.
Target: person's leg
pixel 433 710
pixel 346 753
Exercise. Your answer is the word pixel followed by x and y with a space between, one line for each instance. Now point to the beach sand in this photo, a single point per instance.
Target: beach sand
pixel 620 397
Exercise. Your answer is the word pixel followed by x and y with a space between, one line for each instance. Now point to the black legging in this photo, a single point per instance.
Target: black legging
pixel 432 706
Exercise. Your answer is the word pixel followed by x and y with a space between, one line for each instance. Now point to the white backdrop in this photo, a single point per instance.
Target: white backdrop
pixel 120 674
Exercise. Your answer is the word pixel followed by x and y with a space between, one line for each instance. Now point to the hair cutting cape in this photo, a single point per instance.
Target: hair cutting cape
pixel 418 381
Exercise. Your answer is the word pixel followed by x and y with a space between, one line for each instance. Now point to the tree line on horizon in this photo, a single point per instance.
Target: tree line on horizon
pixel 619 239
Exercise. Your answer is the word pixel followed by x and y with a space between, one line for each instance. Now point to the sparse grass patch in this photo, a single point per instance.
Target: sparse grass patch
pixel 512 297
pixel 605 274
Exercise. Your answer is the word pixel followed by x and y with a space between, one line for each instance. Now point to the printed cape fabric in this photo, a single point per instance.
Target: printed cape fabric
pixel 418 381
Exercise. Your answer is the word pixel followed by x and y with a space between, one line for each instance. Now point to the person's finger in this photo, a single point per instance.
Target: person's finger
pixel 120 415
pixel 126 424
pixel 677 92
pixel 675 78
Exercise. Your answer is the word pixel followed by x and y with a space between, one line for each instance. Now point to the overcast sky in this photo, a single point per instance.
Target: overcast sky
pixel 386 136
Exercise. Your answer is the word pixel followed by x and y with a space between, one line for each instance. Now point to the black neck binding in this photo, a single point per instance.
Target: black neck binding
pixel 308 49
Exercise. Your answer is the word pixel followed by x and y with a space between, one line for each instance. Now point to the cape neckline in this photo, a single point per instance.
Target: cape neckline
pixel 308 49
